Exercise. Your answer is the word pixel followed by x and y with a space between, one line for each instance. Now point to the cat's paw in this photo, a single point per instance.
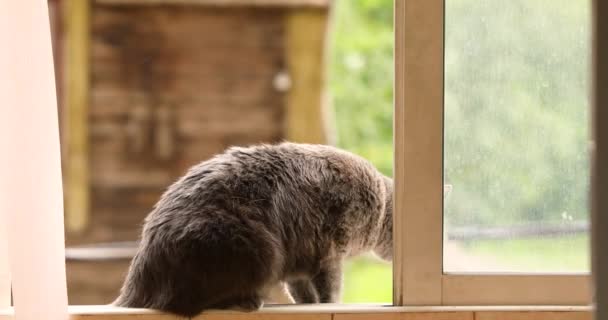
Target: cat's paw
pixel 248 304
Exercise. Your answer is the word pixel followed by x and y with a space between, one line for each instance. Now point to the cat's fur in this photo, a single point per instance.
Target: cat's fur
pixel 247 220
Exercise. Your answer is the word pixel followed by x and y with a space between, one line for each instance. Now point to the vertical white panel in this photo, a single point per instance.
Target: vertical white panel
pixel 30 169
pixel 5 279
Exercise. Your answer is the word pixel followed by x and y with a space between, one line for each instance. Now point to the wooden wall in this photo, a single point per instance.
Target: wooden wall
pixel 170 87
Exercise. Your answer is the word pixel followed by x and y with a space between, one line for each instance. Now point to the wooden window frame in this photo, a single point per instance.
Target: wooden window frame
pixel 599 199
pixel 418 237
pixel 418 218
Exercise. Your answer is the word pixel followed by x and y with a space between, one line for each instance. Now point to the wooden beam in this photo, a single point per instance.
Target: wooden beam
pixel 510 289
pixel 77 33
pixel 599 198
pixel 307 115
pixel 418 123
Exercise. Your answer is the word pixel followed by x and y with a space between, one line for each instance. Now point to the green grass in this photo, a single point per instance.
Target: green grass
pixel 368 280
pixel 549 254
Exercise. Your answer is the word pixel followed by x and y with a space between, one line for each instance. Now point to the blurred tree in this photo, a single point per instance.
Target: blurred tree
pixel 516 110
pixel 362 79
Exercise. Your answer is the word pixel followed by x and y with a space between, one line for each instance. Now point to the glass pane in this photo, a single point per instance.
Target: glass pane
pixel 516 136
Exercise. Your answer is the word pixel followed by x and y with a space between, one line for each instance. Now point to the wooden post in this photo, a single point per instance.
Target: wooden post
pixel 76 28
pixel 31 197
pixel 307 116
pixel 599 198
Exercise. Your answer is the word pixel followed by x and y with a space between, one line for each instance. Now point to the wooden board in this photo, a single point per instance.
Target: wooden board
pixel 340 312
pixel 534 289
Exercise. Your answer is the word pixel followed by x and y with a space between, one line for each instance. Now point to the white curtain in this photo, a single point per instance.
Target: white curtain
pixel 31 207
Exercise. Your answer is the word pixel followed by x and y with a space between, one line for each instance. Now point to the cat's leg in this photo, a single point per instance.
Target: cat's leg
pixel 303 291
pixel 328 282
pixel 279 294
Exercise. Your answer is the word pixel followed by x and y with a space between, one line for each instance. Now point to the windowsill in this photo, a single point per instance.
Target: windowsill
pixel 342 311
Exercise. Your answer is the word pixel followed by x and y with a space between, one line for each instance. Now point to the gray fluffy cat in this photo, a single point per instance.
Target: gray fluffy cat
pixel 237 227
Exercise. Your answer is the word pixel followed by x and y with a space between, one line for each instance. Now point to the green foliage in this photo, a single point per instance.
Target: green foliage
pixel 362 79
pixel 362 87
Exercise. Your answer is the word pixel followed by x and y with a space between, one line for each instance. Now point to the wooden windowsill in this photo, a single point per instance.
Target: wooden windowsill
pixel 342 312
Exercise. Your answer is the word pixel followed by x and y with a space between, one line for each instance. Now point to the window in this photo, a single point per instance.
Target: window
pixel 516 142
pixel 420 278
pixel 426 275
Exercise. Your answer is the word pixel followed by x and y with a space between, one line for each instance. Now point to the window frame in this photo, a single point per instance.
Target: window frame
pixel 421 51
pixel 599 203
pixel 418 201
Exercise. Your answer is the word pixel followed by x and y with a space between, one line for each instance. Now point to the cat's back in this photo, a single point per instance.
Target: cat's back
pixel 255 171
pixel 263 181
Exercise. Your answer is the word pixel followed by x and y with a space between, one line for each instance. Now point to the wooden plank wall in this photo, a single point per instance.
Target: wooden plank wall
pixel 203 76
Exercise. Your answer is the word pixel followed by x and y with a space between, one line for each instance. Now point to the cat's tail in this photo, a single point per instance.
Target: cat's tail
pixel 160 281
pixel 133 291
pixel 220 262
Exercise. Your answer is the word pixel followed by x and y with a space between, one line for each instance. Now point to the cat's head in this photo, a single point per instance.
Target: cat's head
pixel 384 243
pixel 384 246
